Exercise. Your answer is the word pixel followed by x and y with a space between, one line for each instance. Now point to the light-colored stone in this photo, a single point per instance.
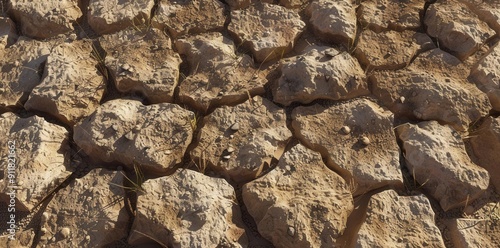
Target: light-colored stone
pixel 8 33
pixel 268 30
pixel 436 158
pixel 333 21
pixel 486 75
pixel 320 73
pixel 218 76
pixel 93 205
pixel 36 152
pixel 72 86
pixel 21 66
pixel 487 11
pixel 109 16
pixel 371 166
pixel 262 135
pixel 301 203
pixel 399 221
pixel 142 61
pixel 383 15
pixel 103 134
pixel 188 209
pixel 390 49
pixel 485 143
pixel 435 88
pixel 45 19
pixel 482 231
pixel 456 27
pixel 189 16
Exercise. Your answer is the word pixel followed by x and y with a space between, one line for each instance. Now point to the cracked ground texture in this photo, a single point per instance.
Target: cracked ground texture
pixel 245 123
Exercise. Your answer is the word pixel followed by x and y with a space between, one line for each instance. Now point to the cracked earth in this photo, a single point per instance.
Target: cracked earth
pixel 244 123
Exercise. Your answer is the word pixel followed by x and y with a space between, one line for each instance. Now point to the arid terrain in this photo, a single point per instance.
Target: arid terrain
pixel 243 123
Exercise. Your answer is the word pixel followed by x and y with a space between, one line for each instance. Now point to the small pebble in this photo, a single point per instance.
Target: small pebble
pixel 331 53
pixel 221 93
pixel 87 237
pixel 65 232
pixel 346 129
pixel 365 140
pixel 45 217
pixel 43 230
pixel 129 136
pixel 72 37
pixel 402 99
pixel 168 152
pixel 235 126
pixel 227 157
pixel 230 149
pixel 125 66
pixel 231 136
pixel 291 231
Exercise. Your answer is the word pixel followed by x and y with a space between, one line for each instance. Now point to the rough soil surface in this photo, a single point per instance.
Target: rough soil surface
pixel 479 230
pixel 72 86
pixel 486 75
pixel 108 16
pixel 42 158
pixel 123 130
pixel 248 123
pixel 89 212
pixel 333 20
pixel 436 157
pixel 357 137
pixel 395 50
pixel 218 74
pixel 383 15
pixel 313 214
pixel 142 62
pixel 487 11
pixel 456 27
pixel 417 91
pixel 320 73
pixel 268 30
pixel 44 19
pixel 485 143
pixel 240 141
pixel 189 16
pixel 411 218
pixel 22 66
pixel 188 209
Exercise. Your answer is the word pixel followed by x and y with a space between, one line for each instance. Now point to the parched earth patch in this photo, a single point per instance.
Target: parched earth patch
pixel 245 123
